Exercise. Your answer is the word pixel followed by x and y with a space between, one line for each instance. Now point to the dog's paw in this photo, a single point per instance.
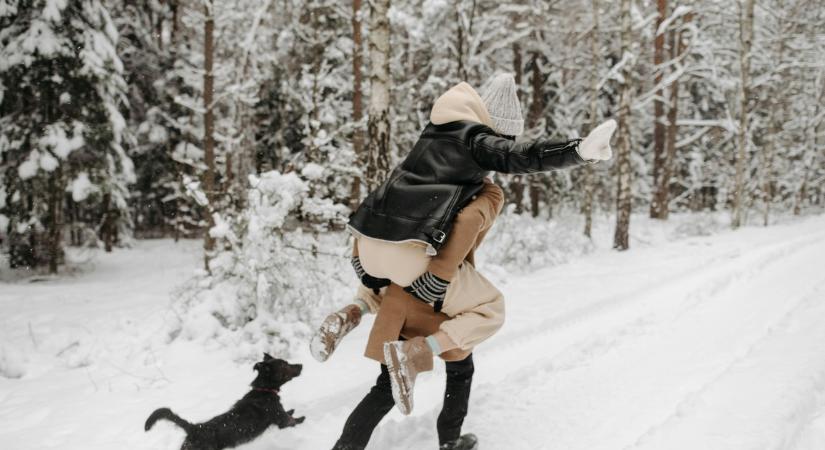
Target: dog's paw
pixel 299 420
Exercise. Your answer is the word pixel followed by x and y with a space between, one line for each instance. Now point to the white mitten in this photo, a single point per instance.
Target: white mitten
pixel 596 146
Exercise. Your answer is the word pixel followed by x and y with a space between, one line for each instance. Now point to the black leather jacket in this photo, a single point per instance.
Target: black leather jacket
pixel 421 197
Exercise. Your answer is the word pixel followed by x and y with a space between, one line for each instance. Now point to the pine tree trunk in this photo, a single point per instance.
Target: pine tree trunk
pixel 535 192
pixel 746 40
pixel 357 106
pixel 533 119
pixel 767 163
pixel 514 184
pixel 589 175
pixel 658 109
pixel 621 240
pixel 662 194
pixel 517 189
pixel 378 126
pixel 459 45
pixel 208 124
pixel 175 20
pixel 108 223
pixel 801 193
pixel 55 203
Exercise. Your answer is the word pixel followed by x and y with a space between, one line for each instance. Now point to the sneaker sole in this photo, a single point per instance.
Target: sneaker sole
pixel 320 347
pixel 400 387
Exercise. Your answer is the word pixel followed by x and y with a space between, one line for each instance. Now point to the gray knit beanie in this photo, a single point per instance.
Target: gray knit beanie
pixel 501 99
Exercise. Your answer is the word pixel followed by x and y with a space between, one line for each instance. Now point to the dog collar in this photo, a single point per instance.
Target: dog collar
pixel 271 391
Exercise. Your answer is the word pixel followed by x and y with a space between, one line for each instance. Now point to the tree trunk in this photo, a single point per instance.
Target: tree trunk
pixel 661 197
pixel 357 107
pixel 461 37
pixel 809 163
pixel 378 126
pixel 774 124
pixel 515 185
pixel 767 163
pixel 534 116
pixel 55 203
pixel 459 45
pixel 801 193
pixel 159 26
pixel 108 223
pixel 175 19
pixel 589 175
pixel 746 39
pixel 208 125
pixel 518 68
pixel 658 108
pixel 621 240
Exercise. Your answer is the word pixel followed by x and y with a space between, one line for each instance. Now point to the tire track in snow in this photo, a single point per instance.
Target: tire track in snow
pixel 726 393
pixel 766 257
pixel 704 280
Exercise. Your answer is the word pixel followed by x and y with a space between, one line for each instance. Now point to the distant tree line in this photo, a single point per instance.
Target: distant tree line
pixel 115 116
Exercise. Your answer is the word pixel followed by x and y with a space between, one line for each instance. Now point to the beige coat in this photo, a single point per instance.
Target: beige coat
pixel 473 308
pixel 473 311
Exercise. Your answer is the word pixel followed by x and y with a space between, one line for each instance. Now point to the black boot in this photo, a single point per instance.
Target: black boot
pixel 467 441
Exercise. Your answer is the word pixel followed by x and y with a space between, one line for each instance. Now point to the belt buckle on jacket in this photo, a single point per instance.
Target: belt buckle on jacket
pixel 439 236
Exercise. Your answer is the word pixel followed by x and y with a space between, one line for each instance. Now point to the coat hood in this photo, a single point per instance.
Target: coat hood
pixel 461 102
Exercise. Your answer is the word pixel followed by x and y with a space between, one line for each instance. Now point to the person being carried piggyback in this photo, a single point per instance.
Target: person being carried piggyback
pixel 415 238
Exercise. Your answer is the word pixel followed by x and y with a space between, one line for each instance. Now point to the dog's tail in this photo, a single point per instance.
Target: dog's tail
pixel 166 413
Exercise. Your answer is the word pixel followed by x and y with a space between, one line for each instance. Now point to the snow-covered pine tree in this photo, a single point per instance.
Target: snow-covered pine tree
pixel 162 148
pixel 61 129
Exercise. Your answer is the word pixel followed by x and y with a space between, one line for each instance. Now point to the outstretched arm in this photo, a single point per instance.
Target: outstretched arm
pixel 493 152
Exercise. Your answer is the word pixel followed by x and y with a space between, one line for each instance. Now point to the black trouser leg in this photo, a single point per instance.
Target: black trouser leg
pixel 366 416
pixel 456 399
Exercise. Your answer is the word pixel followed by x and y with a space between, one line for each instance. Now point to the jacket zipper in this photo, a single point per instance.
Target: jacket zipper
pixel 449 211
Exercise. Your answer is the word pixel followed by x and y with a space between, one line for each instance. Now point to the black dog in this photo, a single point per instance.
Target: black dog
pixel 249 416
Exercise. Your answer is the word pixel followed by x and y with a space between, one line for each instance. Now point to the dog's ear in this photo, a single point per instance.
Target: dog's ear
pixel 267 357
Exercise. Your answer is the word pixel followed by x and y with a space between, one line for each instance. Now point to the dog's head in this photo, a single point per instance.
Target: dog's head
pixel 274 372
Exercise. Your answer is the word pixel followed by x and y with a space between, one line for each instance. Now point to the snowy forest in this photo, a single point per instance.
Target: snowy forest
pixel 129 120
pixel 235 138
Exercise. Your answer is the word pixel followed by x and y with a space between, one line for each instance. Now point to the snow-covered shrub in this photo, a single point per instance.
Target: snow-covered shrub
pixel 274 275
pixel 521 243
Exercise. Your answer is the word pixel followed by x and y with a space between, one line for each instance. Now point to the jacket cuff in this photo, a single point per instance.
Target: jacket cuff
pixel 561 155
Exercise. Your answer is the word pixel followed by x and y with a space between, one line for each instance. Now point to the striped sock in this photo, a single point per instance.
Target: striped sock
pixel 429 288
pixel 356 264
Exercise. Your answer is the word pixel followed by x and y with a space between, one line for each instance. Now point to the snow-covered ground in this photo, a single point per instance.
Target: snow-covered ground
pixel 710 342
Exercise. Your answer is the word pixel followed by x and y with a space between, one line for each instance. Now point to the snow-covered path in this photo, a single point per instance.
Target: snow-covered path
pixel 704 343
